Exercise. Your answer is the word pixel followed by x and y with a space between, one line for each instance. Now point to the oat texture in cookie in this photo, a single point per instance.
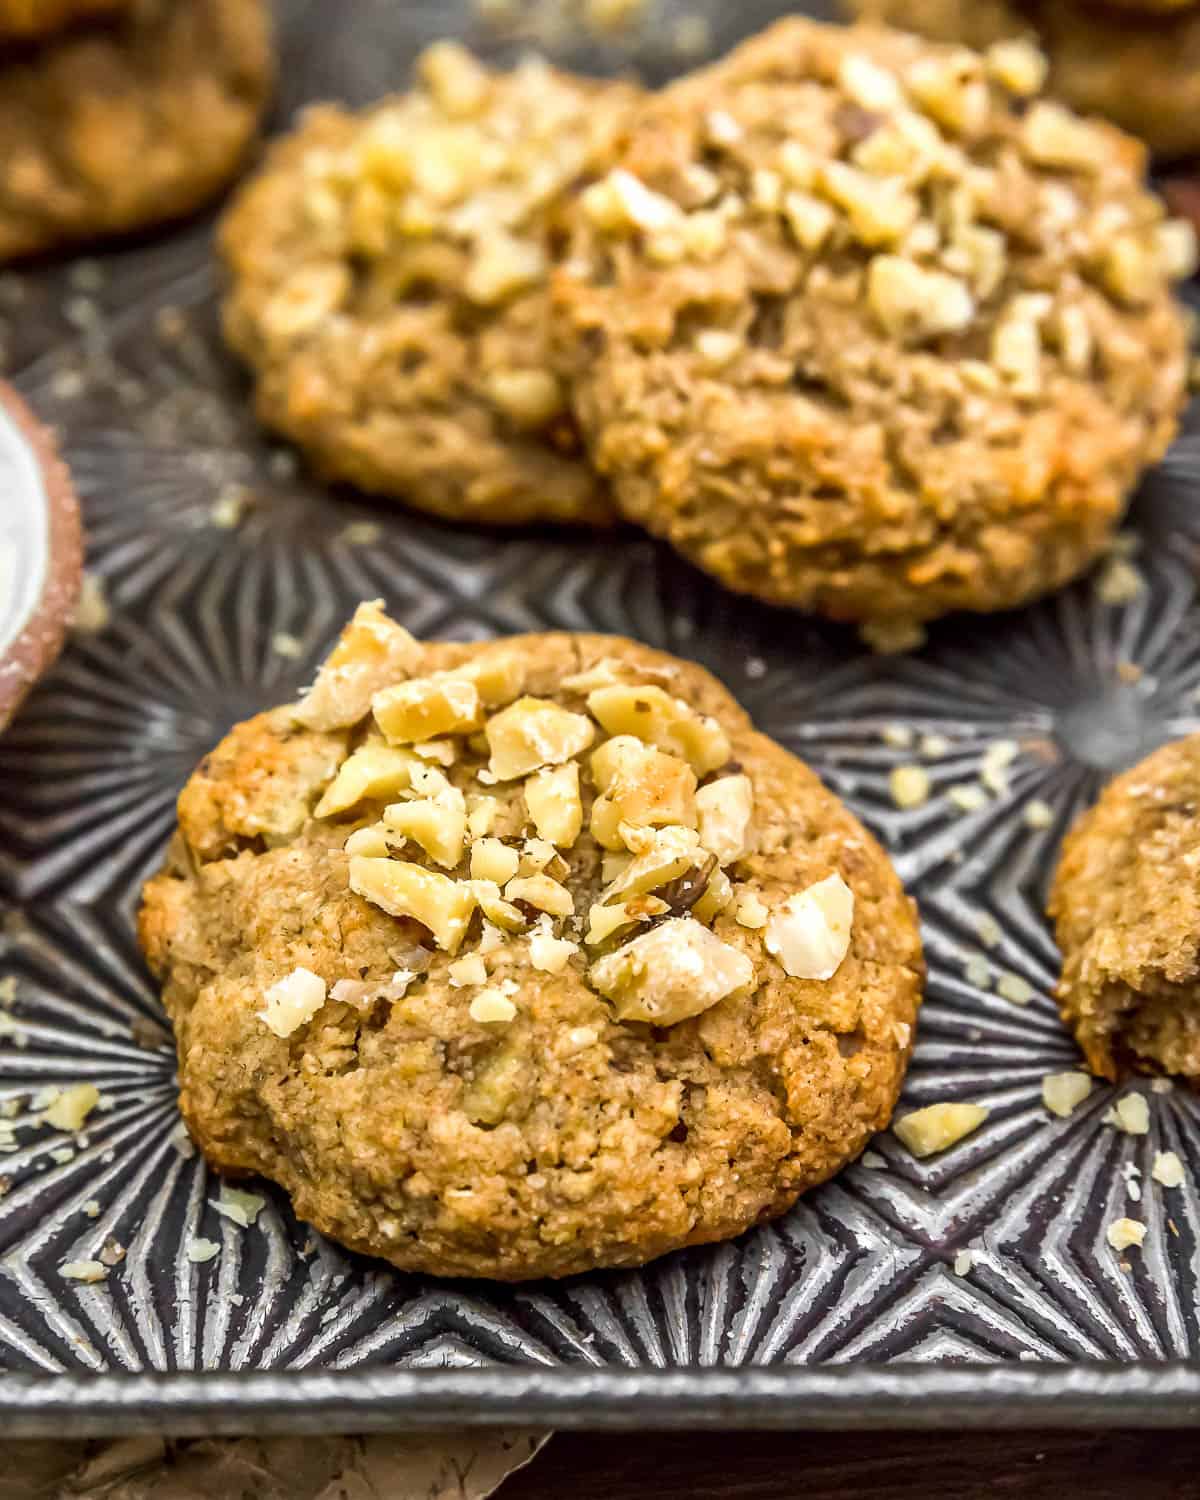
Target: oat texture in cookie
pixel 112 128
pixel 1126 908
pixel 1135 61
pixel 389 287
pixel 518 959
pixel 23 19
pixel 862 325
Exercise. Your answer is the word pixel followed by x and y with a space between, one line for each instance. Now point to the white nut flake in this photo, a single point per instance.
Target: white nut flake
pixel 810 932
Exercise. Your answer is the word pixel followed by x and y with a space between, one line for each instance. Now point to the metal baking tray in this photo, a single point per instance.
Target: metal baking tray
pixel 847 1311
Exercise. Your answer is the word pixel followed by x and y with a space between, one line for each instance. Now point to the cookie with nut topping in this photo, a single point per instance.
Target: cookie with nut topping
pixel 389 288
pixel 1126 908
pixel 521 959
pixel 864 326
pixel 130 122
pixel 1137 62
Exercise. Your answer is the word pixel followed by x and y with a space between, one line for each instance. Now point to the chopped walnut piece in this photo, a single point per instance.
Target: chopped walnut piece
pixel 1054 137
pixel 621 203
pixel 718 895
pixel 605 920
pixel 548 953
pixel 401 889
pixel 1130 1114
pixel 529 398
pixel 1019 65
pixel 491 1007
pixel 555 807
pixel 665 855
pixel 372 771
pixel 493 860
pixel 676 970
pixel 481 814
pixel 373 653
pixel 869 85
pixel 912 302
pixel 425 707
pixel 292 1001
pixel 641 786
pixel 1062 1093
pixel 750 911
pixel 369 841
pixel 437 823
pixel 949 86
pixel 1126 1234
pixel 495 908
pixel 541 892
pixel 881 210
pixel 1168 1169
pixel 650 714
pixel 502 267
pixel 72 1107
pixel 938 1126
pixel 726 810
pixel 532 733
pixel 810 932
pixel 467 971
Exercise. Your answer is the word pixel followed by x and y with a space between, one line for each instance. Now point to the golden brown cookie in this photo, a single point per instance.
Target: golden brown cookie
pixel 22 19
pixel 1137 64
pixel 116 127
pixel 389 288
pixel 521 959
pixel 1126 910
pixel 861 327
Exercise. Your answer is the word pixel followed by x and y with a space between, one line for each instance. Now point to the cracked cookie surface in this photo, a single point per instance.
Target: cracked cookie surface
pixel 388 288
pixel 521 959
pixel 1126 908
pixel 115 127
pixel 862 325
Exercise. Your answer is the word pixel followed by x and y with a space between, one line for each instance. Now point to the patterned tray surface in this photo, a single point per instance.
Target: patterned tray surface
pixel 210 623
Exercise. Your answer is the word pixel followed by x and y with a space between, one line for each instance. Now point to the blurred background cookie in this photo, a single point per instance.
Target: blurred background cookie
pixel 30 18
pixel 863 326
pixel 1135 61
pixel 41 551
pixel 120 125
pixel 1126 908
pixel 389 276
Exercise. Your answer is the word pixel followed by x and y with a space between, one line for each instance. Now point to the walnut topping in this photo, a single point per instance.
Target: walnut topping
pixel 542 892
pixel 373 771
pixel 438 822
pixel 532 733
pixel 493 860
pixel 665 855
pixel 950 87
pixel 1019 65
pixel 401 889
pixel 726 809
pixel 503 266
pixel 605 920
pixel 717 896
pixel 427 706
pixel 467 971
pixel 881 210
pixel 492 1007
pixel 652 715
pixel 938 1126
pixel 869 85
pixel 373 653
pixel 640 786
pixel 529 398
pixel 750 910
pixel 292 1001
pixel 548 953
pixel 552 797
pixel 915 303
pixel 810 932
pixel 369 841
pixel 481 814
pixel 495 908
pixel 621 202
pixel 676 970
pixel 1054 137
pixel 1177 249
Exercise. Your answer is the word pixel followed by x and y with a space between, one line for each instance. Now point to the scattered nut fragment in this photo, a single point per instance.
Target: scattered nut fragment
pixel 640 786
pixel 810 932
pixel 1014 989
pixel 438 823
pixel 675 971
pixel 652 715
pixel 1119 582
pixel 491 1007
pixel 552 797
pixel 1054 137
pixel 938 1126
pixel 1125 1234
pixel 492 860
pixel 199 1250
pixel 504 914
pixel 532 733
pixel 542 892
pixel 603 921
pixel 293 1000
pixel 548 953
pixel 725 810
pixel 1062 1093
pixel 72 1107
pixel 1019 65
pixel 401 889
pixel 750 910
pixel 912 302
pixel 467 971
pixel 1130 1114
pixel 369 841
pixel 963 1262
pixel 909 786
pixel 373 653
pixel 83 1270
pixel 481 814
pixel 665 855
pixel 372 771
pixel 241 1207
pixel 425 707
pixel 1168 1170
pixel 1038 814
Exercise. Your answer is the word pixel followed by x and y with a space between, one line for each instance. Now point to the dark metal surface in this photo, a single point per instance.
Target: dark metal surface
pixel 848 1311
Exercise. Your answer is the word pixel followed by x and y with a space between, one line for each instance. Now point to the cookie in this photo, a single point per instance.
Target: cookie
pixel 1126 909
pixel 1135 62
pixel 521 959
pixel 861 327
pixel 389 279
pixel 22 19
pixel 116 127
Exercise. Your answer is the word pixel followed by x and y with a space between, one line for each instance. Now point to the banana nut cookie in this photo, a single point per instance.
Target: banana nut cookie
pixel 1135 61
pixel 116 127
pixel 22 19
pixel 389 287
pixel 525 958
pixel 1126 907
pixel 861 326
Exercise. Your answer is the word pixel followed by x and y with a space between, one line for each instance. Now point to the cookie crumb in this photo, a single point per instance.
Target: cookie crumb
pixel 1168 1169
pixel 909 786
pixel 1124 1234
pixel 1063 1093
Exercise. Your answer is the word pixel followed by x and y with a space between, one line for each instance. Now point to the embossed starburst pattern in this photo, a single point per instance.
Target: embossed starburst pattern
pixel 228 572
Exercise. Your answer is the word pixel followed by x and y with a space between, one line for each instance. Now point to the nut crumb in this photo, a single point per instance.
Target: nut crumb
pixel 963 1262
pixel 1037 814
pixel 1119 582
pixel 909 786
pixel 283 643
pixel 1168 1170
pixel 83 1270
pixel 1125 1234
pixel 92 612
pixel 938 1126
pixel 892 637
pixel 873 1161
pixel 1130 1114
pixel 1014 989
pixel 199 1250
pixel 1062 1093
